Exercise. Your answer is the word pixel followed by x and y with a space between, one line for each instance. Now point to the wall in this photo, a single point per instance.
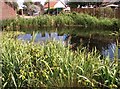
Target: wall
pixel 6 12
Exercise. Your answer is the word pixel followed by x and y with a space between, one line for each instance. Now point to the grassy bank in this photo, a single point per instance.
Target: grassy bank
pixel 62 20
pixel 53 65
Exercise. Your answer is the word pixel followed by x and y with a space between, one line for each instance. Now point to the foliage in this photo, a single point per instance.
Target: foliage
pixel 119 24
pixel 25 64
pixel 27 3
pixel 106 12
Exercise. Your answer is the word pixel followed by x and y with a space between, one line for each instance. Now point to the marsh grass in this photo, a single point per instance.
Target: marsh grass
pixel 25 64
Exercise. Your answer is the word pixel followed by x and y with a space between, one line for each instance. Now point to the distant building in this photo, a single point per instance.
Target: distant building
pixel 54 6
pixel 6 11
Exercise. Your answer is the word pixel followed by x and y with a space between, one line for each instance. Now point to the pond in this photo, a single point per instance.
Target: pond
pixel 104 41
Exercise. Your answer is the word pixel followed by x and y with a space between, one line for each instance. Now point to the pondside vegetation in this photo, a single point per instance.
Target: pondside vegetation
pixel 62 20
pixel 25 64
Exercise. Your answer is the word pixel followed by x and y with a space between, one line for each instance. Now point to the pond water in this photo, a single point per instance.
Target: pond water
pixel 104 41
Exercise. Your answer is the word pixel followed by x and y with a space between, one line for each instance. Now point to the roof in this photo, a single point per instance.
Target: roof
pixel 55 4
pixel 51 4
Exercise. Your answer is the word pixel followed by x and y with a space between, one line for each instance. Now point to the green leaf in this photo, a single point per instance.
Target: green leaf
pixel 13 80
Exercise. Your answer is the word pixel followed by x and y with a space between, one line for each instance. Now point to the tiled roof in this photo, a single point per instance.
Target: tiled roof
pixel 52 4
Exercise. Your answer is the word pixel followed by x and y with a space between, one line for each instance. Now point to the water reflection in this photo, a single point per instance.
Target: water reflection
pixel 106 46
pixel 111 50
pixel 43 37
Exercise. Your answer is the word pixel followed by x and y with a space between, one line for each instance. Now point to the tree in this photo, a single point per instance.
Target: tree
pixel 40 5
pixel 27 3
pixel 15 5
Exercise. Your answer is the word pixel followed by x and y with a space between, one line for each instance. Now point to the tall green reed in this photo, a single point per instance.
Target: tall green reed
pixel 25 64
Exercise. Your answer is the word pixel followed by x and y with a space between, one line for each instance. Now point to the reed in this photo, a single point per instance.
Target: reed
pixel 25 64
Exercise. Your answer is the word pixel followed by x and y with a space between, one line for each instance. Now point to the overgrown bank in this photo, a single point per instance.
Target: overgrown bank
pixel 53 65
pixel 62 20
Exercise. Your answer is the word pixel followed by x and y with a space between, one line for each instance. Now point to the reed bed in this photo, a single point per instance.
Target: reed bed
pixel 61 20
pixel 25 64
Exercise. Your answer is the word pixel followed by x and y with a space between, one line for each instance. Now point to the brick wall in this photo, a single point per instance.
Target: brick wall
pixel 6 12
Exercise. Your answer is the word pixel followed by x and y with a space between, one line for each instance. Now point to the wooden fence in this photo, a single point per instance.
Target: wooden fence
pixel 99 12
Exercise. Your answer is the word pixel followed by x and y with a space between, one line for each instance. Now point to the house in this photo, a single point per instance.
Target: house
pixel 54 7
pixel 6 11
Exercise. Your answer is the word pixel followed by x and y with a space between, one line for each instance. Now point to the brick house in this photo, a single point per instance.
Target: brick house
pixel 54 6
pixel 6 11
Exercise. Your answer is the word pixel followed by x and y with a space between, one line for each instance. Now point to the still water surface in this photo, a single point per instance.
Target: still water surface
pixel 102 40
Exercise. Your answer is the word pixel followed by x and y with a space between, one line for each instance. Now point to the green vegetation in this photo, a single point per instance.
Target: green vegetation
pixel 62 20
pixel 25 64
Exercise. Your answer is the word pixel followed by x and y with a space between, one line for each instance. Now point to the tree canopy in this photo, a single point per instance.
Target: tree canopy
pixel 27 3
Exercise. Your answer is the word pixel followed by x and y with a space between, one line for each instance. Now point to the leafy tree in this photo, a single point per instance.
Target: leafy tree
pixel 27 3
pixel 15 5
pixel 39 4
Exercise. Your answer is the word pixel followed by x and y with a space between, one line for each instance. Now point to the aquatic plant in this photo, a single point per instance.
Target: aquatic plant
pixel 25 64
